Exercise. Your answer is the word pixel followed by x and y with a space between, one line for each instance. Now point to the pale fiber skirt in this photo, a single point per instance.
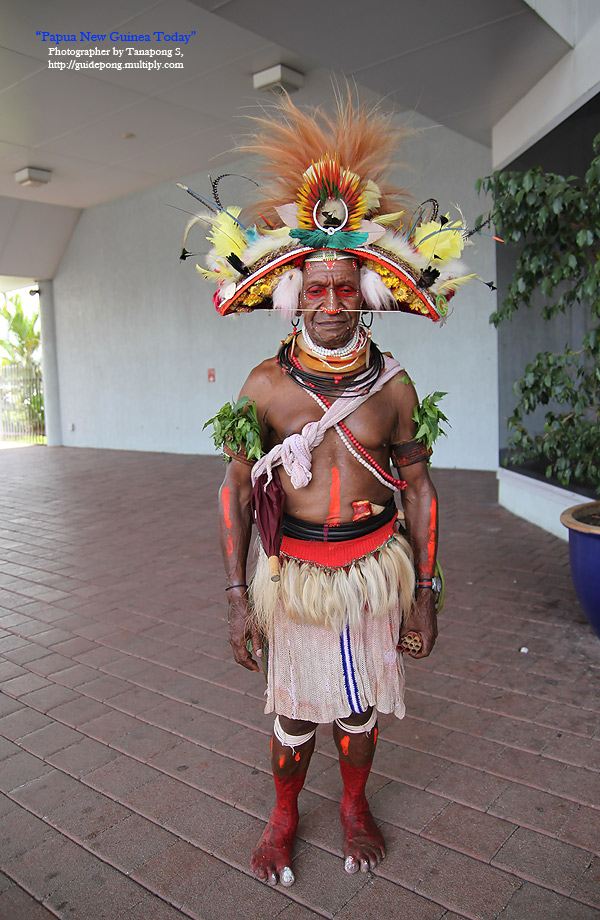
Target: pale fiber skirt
pixel 326 660
pixel 317 675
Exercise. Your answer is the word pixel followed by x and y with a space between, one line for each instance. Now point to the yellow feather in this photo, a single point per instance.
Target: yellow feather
pixel 453 283
pixel 444 242
pixel 371 196
pixel 208 275
pixel 226 235
pixel 386 219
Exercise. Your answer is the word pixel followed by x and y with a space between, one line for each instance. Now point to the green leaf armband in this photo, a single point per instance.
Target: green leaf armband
pixel 236 431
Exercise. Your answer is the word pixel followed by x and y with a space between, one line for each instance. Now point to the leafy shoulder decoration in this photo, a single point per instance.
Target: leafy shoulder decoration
pixel 236 430
pixel 428 418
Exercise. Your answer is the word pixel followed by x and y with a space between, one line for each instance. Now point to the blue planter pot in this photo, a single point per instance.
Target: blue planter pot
pixel 583 522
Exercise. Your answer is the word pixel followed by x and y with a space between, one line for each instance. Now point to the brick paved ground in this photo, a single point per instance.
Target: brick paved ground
pixel 133 753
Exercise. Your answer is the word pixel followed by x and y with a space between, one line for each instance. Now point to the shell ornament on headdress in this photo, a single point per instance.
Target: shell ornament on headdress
pixel 330 200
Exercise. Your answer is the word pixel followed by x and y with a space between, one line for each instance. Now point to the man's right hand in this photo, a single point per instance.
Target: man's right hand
pixel 241 628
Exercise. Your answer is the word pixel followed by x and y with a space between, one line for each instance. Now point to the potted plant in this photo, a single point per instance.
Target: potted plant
pixel 583 522
pixel 556 222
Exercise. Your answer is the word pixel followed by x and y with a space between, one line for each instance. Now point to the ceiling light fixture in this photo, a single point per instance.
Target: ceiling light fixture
pixel 278 78
pixel 32 176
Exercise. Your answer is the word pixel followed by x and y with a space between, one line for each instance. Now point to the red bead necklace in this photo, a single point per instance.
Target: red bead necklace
pixel 397 483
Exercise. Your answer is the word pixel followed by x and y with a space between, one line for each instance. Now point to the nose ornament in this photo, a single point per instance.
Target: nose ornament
pixel 333 307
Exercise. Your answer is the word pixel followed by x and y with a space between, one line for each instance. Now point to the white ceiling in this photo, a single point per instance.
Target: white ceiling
pixel 463 63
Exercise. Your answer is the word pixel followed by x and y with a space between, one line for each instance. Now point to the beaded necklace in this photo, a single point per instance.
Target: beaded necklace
pixel 342 385
pixel 357 342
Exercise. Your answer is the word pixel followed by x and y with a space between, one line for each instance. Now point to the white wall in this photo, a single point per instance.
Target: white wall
pixel 137 332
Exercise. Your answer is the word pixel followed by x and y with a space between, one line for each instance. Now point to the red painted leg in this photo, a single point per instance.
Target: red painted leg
pixel 272 857
pixel 292 745
pixel 364 847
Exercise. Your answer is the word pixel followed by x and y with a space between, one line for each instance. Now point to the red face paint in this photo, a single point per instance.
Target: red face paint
pixel 297 757
pixel 374 736
pixel 229 546
pixel 345 744
pixel 333 517
pixel 226 507
pixel 282 762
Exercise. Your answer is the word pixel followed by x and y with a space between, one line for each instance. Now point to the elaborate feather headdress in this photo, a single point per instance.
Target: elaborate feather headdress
pixel 326 190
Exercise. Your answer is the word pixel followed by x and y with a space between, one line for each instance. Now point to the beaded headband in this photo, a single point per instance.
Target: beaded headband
pixel 329 255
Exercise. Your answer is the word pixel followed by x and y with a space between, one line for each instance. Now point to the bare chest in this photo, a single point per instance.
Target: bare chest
pixel 371 424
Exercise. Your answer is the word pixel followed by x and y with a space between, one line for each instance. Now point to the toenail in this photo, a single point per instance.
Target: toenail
pixel 287 876
pixel 350 864
pixel 272 879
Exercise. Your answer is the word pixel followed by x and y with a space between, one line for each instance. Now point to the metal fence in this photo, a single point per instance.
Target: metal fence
pixel 22 404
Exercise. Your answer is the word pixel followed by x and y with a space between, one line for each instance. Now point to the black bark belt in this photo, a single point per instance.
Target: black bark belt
pixel 336 533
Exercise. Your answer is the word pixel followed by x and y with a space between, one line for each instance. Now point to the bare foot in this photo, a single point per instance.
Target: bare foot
pixel 272 857
pixel 364 846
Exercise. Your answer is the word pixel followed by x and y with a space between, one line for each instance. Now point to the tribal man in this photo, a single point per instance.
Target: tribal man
pixel 334 413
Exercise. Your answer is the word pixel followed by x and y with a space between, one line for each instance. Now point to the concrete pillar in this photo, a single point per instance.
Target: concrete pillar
pixel 50 366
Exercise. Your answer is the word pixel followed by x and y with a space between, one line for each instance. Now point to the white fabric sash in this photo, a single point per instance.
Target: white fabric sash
pixel 294 453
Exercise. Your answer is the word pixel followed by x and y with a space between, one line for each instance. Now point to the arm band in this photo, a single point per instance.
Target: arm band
pixel 409 452
pixel 241 456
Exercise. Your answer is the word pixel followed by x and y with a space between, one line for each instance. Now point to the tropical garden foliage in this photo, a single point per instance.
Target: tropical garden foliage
pixel 556 221
pixel 24 395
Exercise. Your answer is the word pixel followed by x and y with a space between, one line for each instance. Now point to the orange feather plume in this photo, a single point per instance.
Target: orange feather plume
pixel 361 139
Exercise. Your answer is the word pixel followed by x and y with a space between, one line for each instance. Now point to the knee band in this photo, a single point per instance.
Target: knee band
pixel 291 741
pixel 358 729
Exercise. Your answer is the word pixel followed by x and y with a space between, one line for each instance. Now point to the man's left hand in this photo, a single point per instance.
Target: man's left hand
pixel 423 620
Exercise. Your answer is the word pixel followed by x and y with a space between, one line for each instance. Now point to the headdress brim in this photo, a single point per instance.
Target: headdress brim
pixel 254 292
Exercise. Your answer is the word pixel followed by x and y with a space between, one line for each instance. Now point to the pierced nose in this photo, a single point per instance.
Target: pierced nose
pixel 333 306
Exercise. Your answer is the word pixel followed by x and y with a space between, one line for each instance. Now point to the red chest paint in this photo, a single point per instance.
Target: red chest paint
pixel 334 505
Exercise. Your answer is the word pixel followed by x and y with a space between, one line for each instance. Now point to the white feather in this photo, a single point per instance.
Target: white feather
pixel 377 295
pixel 286 296
pixel 289 215
pixel 193 221
pixel 399 246
pixel 265 244
pixel 454 269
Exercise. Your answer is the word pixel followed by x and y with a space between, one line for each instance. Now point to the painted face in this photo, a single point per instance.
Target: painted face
pixel 331 301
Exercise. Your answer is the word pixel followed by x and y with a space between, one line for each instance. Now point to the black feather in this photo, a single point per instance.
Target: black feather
pixel 427 277
pixel 237 263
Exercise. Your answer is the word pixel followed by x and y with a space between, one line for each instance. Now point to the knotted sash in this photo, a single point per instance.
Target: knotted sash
pixel 294 453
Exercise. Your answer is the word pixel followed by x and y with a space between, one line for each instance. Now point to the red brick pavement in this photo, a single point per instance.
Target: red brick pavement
pixel 134 753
